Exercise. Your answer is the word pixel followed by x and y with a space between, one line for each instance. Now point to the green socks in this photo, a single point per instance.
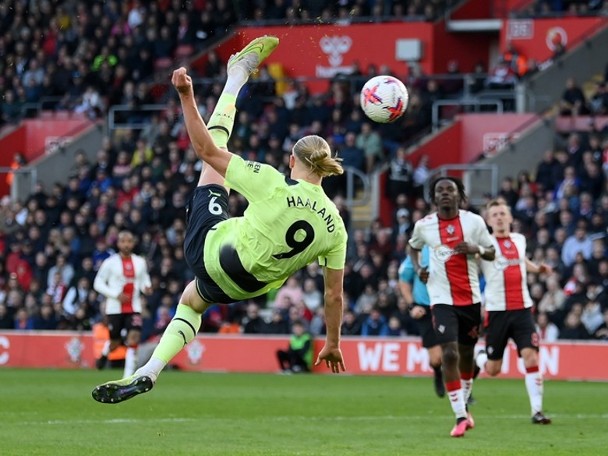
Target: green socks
pixel 222 119
pixel 181 331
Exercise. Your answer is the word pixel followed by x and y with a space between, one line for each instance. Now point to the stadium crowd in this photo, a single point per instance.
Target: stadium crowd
pixel 52 244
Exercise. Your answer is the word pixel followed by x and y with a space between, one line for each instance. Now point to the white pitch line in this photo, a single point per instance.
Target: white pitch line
pixel 581 416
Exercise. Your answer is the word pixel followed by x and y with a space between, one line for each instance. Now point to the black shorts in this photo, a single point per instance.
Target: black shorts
pixel 501 326
pixel 457 323
pixel 126 321
pixel 427 332
pixel 207 207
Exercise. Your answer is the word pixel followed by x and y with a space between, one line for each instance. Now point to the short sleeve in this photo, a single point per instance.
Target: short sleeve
pixel 336 258
pixel 253 180
pixel 406 271
pixel 417 241
pixel 484 238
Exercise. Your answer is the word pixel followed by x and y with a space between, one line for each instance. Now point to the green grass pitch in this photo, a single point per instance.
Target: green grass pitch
pixel 48 412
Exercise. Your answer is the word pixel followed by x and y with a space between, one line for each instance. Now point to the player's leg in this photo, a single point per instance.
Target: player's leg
pixel 240 66
pixel 181 330
pixel 445 322
pixel 134 324
pixel 498 330
pixel 115 325
pixel 527 341
pixel 435 363
pixel 430 342
pixel 283 359
pixel 469 323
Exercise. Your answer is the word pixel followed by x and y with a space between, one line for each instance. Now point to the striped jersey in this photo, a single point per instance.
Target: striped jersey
pixel 118 275
pixel 453 278
pixel 506 287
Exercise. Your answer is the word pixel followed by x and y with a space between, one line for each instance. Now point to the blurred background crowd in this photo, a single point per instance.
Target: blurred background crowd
pixel 87 56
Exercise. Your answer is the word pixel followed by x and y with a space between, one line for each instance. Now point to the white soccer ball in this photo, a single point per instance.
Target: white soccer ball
pixel 384 99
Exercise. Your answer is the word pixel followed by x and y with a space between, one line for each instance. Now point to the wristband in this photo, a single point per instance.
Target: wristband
pixel 481 250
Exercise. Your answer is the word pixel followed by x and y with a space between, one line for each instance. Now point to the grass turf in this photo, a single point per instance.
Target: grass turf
pixel 48 412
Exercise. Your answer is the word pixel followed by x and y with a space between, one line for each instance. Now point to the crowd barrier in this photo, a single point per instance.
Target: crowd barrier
pixel 363 356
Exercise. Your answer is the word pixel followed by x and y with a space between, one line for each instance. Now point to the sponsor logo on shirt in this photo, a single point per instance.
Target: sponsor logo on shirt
pixel 501 263
pixel 443 253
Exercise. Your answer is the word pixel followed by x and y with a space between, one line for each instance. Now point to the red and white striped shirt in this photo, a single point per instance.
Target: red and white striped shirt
pixel 453 278
pixel 118 275
pixel 506 287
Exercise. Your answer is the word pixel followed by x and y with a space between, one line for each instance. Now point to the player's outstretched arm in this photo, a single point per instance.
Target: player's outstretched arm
pixel 202 141
pixel 538 268
pixel 334 302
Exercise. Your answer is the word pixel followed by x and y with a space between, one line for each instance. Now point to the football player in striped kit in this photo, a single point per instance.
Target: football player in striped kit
pixel 455 237
pixel 121 279
pixel 508 305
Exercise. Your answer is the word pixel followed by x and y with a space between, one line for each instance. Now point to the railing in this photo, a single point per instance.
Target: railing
pixel 464 170
pixel 351 175
pixel 476 103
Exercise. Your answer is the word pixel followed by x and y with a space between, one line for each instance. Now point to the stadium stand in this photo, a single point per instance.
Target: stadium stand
pixel 88 56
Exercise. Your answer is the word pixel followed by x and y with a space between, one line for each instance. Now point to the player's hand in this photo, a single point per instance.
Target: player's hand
pixel 423 274
pixel 417 312
pixel 124 297
pixel 148 291
pixel 466 249
pixel 333 359
pixel 545 269
pixel 181 81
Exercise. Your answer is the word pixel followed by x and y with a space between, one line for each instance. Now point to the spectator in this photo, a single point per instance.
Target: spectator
pixel 578 242
pixel 601 332
pixel 553 300
pixel 350 324
pixel 298 356
pixel 400 177
pixel 501 76
pixel 573 328
pixel 370 143
pixel 573 100
pixel 375 324
pixel 546 329
pixel 253 323
pixel 76 296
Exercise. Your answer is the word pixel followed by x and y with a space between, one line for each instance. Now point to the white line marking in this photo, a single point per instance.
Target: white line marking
pixel 579 416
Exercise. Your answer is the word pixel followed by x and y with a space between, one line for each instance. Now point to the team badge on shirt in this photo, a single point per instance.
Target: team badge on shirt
pixel 507 244
pixel 450 229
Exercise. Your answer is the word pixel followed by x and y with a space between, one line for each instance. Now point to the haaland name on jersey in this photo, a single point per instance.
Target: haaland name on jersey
pixel 293 201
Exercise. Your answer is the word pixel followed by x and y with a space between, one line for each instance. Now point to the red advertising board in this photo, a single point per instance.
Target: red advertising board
pixel 536 38
pixel 363 356
pixel 322 51
pixel 34 137
pixel 470 136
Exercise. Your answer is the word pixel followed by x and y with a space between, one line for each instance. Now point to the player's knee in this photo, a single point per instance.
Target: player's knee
pixel 191 298
pixel 133 338
pixel 493 368
pixel 530 357
pixel 450 355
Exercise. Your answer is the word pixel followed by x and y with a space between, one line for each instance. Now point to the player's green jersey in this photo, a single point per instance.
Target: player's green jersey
pixel 287 225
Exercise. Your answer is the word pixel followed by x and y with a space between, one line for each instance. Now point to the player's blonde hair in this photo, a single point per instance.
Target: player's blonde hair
pixel 316 154
pixel 499 201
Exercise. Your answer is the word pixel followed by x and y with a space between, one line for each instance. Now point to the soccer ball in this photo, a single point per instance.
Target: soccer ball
pixel 384 99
